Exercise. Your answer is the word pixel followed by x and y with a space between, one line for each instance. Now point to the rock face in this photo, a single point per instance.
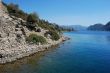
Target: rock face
pixel 11 37
pixel 3 9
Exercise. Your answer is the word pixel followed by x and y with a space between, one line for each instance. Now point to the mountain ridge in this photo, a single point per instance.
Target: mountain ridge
pixel 99 27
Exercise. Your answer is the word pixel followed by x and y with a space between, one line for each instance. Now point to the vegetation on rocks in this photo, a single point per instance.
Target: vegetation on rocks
pixel 54 35
pixel 14 10
pixel 33 38
pixel 33 17
pixel 33 21
pixel 16 38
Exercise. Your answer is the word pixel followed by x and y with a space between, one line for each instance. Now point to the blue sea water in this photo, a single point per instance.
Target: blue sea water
pixel 85 52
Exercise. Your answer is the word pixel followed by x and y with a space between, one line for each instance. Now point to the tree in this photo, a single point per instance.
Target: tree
pixel 36 16
pixel 32 20
pixel 12 8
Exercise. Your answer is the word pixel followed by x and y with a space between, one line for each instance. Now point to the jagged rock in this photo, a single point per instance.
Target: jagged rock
pixel 1 56
pixel 23 31
pixel 37 29
pixel 3 9
pixel 0 35
pixel 19 35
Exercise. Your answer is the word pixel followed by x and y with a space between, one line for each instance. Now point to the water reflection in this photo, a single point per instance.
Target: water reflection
pixel 108 38
pixel 31 62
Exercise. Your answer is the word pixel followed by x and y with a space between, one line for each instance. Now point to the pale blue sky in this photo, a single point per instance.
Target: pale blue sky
pixel 68 12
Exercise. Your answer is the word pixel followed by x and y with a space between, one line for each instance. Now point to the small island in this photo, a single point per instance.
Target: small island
pixel 23 34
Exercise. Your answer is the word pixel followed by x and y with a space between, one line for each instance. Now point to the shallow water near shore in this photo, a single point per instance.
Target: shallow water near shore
pixel 85 52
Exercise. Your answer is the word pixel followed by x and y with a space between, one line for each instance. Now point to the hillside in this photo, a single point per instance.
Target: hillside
pixel 78 27
pixel 100 27
pixel 23 34
pixel 96 27
pixel 74 27
pixel 107 26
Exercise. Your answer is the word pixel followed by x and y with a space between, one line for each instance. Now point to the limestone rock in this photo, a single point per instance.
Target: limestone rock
pixel 3 9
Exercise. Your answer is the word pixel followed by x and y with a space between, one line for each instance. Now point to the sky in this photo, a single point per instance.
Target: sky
pixel 68 12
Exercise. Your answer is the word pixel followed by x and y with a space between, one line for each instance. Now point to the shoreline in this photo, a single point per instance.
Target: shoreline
pixel 28 51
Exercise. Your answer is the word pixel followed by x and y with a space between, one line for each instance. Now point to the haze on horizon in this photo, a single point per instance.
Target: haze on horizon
pixel 68 12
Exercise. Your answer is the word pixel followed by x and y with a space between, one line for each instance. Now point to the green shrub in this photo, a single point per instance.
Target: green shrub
pixel 36 39
pixel 54 35
pixel 14 10
pixel 32 20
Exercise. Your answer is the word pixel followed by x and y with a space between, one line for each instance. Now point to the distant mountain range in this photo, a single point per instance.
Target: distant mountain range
pixel 75 27
pixel 99 27
pixel 78 27
pixel 95 27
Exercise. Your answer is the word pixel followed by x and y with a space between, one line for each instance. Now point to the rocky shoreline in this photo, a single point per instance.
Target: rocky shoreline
pixel 13 55
pixel 13 37
pixel 13 43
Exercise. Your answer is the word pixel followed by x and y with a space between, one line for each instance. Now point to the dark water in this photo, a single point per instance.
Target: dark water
pixel 86 52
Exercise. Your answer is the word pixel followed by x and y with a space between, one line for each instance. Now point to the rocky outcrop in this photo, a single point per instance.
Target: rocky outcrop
pixel 3 9
pixel 11 37
pixel 13 33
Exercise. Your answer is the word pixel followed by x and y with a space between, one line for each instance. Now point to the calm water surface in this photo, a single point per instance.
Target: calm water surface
pixel 86 52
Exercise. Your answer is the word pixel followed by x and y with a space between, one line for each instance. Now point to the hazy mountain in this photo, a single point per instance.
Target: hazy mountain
pixel 100 27
pixel 96 27
pixel 75 27
pixel 107 26
pixel 78 27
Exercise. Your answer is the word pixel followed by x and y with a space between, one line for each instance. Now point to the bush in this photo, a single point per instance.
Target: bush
pixel 14 10
pixel 32 20
pixel 54 35
pixel 35 39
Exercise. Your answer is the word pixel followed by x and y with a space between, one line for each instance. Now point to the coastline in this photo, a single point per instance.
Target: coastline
pixel 16 54
pixel 15 30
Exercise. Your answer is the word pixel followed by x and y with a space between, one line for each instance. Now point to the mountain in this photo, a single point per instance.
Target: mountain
pixel 67 28
pixel 78 27
pixel 96 27
pixel 75 27
pixel 107 26
pixel 99 27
